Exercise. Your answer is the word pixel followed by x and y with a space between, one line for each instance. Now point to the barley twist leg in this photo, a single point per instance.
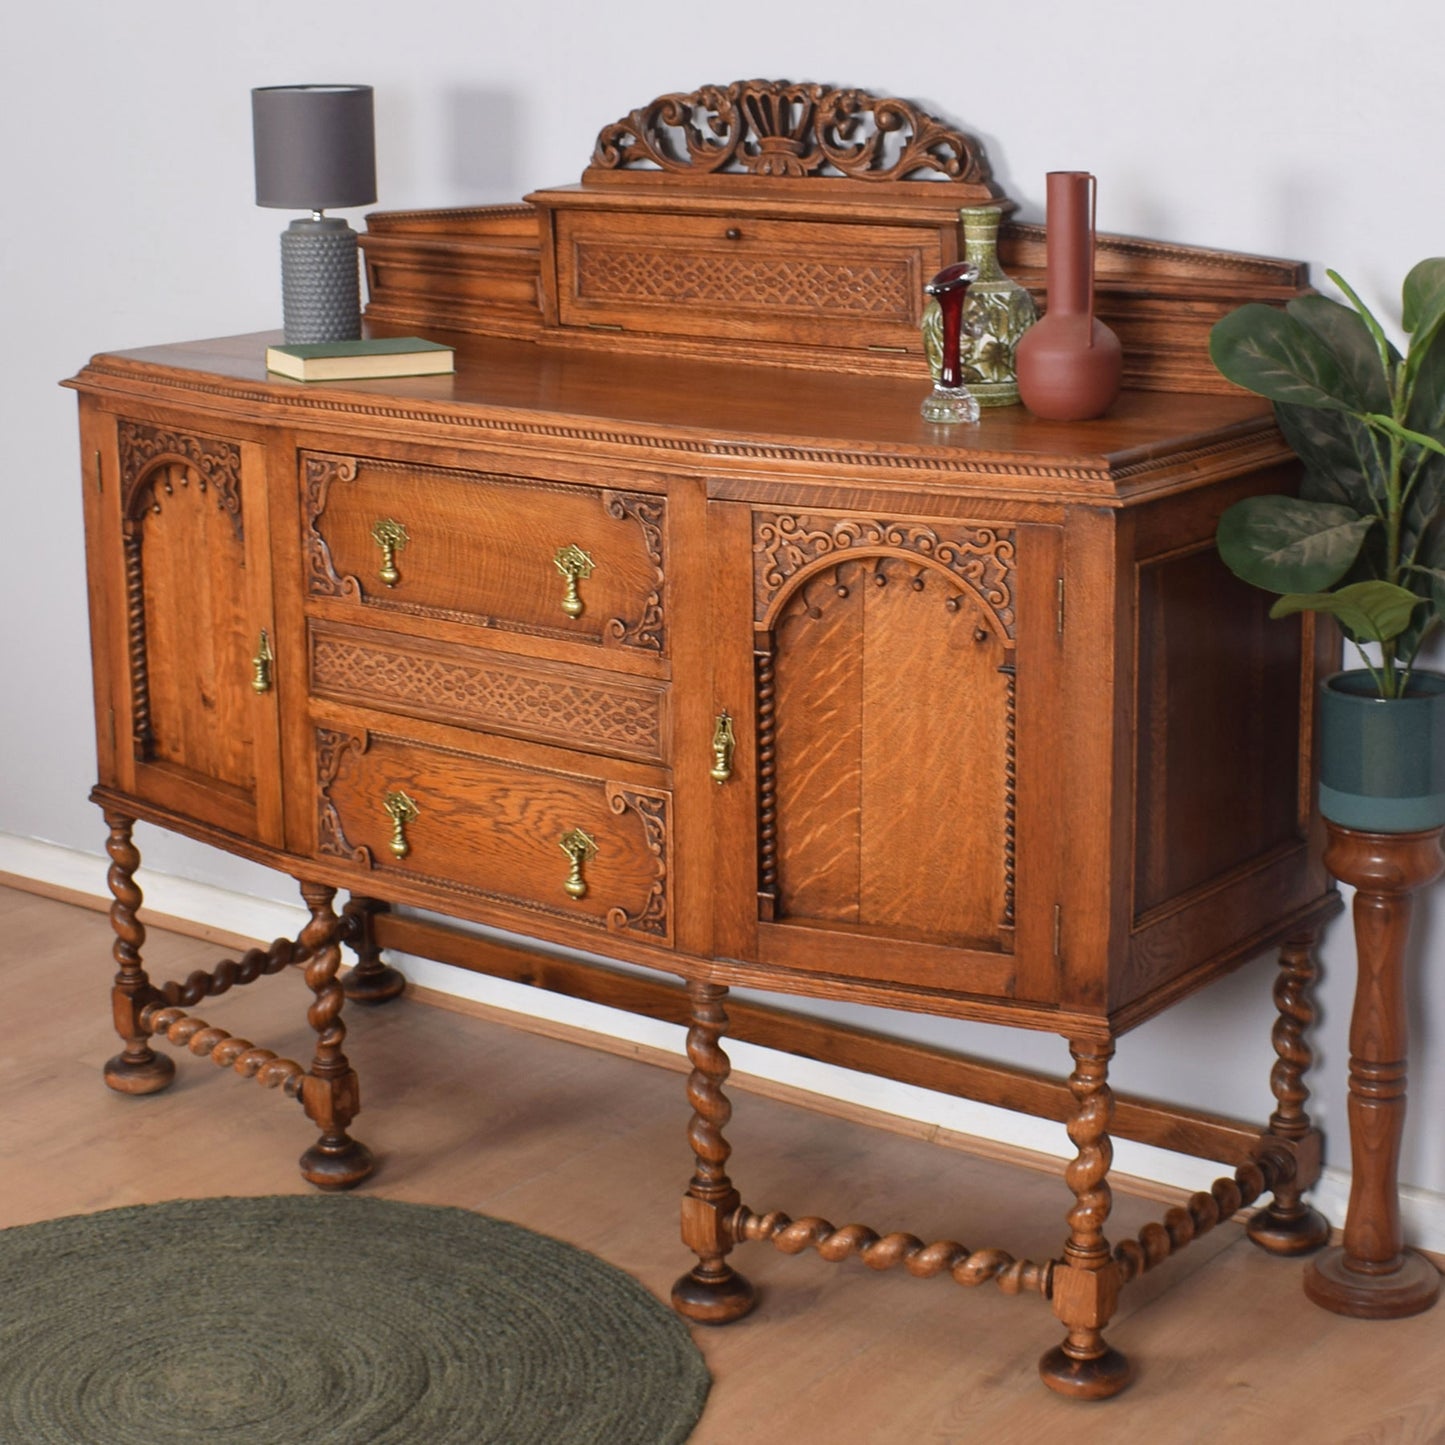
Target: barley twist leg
pixel 371 981
pixel 329 1093
pixel 1085 1284
pixel 712 1292
pixel 1288 1225
pixel 137 1069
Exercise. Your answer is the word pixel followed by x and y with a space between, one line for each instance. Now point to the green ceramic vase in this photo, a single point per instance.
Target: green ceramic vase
pixel 1382 760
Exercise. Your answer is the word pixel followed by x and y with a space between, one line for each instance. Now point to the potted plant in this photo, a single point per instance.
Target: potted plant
pixel 1364 542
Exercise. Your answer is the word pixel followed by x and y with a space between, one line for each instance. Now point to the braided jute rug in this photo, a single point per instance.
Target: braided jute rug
pixel 325 1320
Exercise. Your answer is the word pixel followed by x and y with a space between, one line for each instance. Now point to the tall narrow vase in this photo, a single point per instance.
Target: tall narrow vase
pixel 1069 363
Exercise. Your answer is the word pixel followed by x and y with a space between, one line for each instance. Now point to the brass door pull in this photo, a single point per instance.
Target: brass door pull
pixel 391 537
pixel 261 664
pixel 575 565
pixel 579 848
pixel 723 743
pixel 402 811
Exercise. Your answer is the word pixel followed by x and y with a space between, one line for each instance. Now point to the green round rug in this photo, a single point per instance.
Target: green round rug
pixel 350 1321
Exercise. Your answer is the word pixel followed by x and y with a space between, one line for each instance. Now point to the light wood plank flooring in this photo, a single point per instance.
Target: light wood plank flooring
pixel 590 1147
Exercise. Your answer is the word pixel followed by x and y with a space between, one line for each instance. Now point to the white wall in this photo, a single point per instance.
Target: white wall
pixel 1282 127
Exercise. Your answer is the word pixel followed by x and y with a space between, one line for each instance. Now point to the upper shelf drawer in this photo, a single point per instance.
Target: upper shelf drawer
pixel 797 283
pixel 515 553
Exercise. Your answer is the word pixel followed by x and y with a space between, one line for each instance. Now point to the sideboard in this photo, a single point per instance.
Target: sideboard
pixel 666 630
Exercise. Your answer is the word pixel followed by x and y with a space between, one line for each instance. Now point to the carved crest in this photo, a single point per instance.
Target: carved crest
pixel 779 128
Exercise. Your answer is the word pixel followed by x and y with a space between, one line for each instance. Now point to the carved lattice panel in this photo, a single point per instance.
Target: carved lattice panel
pixel 890 817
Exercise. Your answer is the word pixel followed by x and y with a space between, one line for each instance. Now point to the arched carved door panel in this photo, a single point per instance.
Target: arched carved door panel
pixel 852 645
pixel 195 715
pixel 900 670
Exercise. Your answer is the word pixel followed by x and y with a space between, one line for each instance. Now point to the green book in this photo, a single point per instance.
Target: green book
pixel 353 360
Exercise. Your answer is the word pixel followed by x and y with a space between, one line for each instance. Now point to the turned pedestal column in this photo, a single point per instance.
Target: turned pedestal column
pixel 1373 1275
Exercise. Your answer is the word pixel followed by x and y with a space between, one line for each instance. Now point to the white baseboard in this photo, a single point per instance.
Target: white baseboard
pixel 1422 1211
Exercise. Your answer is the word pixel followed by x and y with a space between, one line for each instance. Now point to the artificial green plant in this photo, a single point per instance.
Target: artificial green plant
pixel 1365 539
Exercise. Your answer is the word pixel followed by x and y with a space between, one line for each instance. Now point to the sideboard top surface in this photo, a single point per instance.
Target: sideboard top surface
pixel 688 414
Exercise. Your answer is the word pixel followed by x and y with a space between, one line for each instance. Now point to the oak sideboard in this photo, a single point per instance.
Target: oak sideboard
pixel 666 630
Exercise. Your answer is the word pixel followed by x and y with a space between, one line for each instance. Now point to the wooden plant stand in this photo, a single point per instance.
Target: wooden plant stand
pixel 1372 1275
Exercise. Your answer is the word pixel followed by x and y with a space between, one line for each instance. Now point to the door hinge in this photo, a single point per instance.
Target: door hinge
pixel 1058 930
pixel 110 715
pixel 99 474
pixel 1061 606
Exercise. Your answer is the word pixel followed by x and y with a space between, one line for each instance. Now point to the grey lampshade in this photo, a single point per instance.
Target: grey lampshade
pixel 315 146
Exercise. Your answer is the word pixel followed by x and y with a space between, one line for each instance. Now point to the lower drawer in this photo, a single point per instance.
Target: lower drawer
pixel 580 848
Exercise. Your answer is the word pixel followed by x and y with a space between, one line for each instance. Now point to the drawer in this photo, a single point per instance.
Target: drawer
pixel 794 282
pixel 519 554
pixel 585 709
pixel 569 845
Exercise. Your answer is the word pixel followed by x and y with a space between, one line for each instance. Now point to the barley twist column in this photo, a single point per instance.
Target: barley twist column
pixel 329 1093
pixel 137 1069
pixel 1085 1286
pixel 1289 1226
pixel 712 1292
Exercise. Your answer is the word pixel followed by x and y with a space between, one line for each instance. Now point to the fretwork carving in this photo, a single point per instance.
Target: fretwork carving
pixel 650 513
pixel 788 547
pixel 154 461
pixel 653 918
pixel 783 128
pixel 331 751
pixel 486 694
pixel 619 273
pixel 319 472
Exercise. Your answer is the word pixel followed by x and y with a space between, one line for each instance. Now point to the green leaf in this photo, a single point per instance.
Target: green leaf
pixel 1423 316
pixel 1372 611
pixel 1349 339
pixel 1285 544
pixel 1271 353
pixel 1423 296
pixel 1342 461
pixel 1415 438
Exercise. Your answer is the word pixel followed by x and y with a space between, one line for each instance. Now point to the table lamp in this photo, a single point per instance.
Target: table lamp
pixel 315 148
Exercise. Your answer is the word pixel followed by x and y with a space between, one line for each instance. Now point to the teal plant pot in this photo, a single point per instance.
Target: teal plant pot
pixel 1382 760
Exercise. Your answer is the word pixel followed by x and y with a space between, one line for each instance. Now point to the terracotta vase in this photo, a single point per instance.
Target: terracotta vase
pixel 1069 363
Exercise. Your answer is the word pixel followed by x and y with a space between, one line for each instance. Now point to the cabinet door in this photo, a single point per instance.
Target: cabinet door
pixel 185 641
pixel 896 672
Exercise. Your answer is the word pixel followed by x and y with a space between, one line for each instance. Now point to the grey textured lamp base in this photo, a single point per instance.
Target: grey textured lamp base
pixel 320 288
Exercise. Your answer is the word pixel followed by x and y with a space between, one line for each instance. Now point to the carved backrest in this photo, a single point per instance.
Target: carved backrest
pixel 777 222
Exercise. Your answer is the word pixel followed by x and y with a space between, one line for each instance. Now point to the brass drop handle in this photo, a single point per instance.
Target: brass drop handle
pixel 723 743
pixel 261 664
pixel 402 811
pixel 579 848
pixel 391 537
pixel 574 565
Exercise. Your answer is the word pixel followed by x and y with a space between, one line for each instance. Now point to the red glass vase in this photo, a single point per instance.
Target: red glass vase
pixel 1069 363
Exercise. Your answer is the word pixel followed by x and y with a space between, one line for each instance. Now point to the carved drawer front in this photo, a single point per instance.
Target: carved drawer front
pixel 788 281
pixel 514 553
pixel 567 845
pixel 589 711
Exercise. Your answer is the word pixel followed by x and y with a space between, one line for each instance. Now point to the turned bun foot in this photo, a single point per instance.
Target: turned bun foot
pixel 147 1075
pixel 1299 1231
pixel 1096 1378
pixel 713 1301
pixel 1409 1289
pixel 372 986
pixel 337 1167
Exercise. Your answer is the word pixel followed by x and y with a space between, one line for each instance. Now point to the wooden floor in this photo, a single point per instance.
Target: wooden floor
pixel 590 1147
